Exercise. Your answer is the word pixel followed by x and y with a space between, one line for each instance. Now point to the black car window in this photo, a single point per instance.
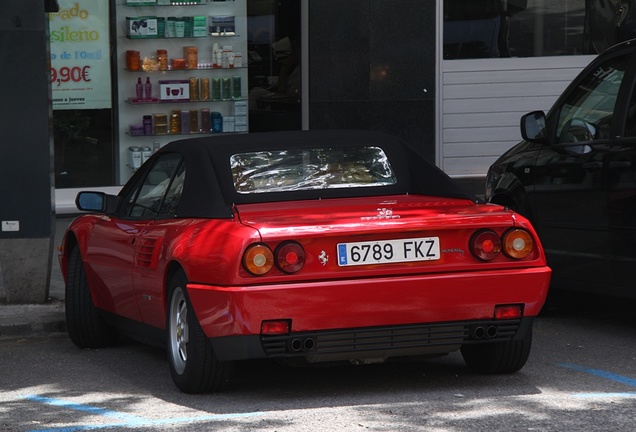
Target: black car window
pixel 588 111
pixel 146 200
pixel 170 204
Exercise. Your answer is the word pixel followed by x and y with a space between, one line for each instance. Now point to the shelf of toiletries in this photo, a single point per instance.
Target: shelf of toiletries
pixel 223 57
pixel 201 67
pixel 192 122
pixel 171 27
pixel 193 89
pixel 155 101
pixel 135 4
pixel 138 3
pixel 203 92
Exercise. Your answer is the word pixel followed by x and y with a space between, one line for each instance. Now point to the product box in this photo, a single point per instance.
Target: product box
pixel 174 90
pixel 222 25
pixel 145 27
pixel 240 108
pixel 199 28
pixel 141 2
pixel 228 124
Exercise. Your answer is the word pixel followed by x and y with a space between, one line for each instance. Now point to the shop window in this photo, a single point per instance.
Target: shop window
pixel 534 28
pixel 80 73
pixel 84 148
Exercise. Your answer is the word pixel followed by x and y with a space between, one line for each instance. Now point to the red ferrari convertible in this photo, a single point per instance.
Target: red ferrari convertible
pixel 305 246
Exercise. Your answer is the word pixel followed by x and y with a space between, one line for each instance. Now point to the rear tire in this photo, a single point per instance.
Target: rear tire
pixel 497 357
pixel 85 326
pixel 193 365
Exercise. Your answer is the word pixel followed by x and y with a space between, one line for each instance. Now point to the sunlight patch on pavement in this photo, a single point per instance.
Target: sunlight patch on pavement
pixel 123 420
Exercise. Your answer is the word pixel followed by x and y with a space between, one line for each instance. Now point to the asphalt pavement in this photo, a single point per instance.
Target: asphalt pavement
pixel 37 319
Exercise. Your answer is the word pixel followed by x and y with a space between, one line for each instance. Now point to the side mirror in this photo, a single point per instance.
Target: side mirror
pixel 96 202
pixel 533 127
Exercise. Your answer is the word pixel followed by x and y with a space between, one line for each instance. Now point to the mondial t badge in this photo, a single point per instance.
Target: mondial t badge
pixel 323 258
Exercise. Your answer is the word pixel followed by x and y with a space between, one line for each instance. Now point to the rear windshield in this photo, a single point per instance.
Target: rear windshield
pixel 308 169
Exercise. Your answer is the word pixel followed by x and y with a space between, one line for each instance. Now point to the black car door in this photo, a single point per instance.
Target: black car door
pixel 621 190
pixel 571 190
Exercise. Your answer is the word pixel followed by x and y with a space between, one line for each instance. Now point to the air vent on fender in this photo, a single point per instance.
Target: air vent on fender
pixel 148 252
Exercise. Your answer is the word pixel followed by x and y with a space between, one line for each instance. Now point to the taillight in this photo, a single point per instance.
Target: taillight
pixel 273 327
pixel 258 259
pixel 513 311
pixel 485 245
pixel 290 257
pixel 517 243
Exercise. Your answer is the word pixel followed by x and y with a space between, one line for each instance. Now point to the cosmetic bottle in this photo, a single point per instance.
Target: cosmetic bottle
pixel 134 157
pixel 215 49
pixel 148 88
pixel 217 122
pixel 206 124
pixel 236 87
pixel 147 125
pixel 146 152
pixel 162 59
pixel 139 88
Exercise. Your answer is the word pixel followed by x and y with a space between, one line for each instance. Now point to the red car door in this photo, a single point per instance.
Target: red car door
pixel 149 263
pixel 109 258
pixel 121 243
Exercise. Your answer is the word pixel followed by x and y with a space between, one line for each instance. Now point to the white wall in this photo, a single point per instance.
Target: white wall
pixel 481 102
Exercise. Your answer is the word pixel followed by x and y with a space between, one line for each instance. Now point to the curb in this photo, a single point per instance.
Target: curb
pixel 32 320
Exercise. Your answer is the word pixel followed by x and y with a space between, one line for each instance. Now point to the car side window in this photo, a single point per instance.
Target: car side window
pixel 170 204
pixel 159 192
pixel 588 112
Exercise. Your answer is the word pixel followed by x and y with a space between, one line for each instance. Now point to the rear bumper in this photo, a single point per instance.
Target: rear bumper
pixel 440 308
pixel 371 343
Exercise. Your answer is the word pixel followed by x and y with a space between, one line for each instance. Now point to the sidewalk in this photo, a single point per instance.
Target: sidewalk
pixel 35 320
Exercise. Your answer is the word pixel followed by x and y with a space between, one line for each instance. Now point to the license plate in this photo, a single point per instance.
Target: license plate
pixel 389 251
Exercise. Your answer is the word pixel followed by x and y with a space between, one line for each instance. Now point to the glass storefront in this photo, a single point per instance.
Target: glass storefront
pixel 81 88
pixel 534 28
pixel 89 77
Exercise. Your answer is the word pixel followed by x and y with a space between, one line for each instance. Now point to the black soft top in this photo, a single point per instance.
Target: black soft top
pixel 209 192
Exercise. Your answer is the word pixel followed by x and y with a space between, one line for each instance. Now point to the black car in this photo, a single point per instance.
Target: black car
pixel 574 177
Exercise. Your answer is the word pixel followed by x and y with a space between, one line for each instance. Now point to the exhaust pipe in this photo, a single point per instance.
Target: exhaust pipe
pixel 307 344
pixel 479 332
pixel 296 345
pixel 491 332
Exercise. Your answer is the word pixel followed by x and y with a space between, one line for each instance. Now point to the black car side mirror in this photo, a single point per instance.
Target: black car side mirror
pixel 533 127
pixel 96 202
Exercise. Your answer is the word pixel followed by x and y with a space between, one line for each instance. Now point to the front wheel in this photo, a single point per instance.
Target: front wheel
pixel 193 365
pixel 85 326
pixel 497 357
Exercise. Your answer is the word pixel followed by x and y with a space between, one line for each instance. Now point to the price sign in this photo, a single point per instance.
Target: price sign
pixel 80 70
pixel 73 74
